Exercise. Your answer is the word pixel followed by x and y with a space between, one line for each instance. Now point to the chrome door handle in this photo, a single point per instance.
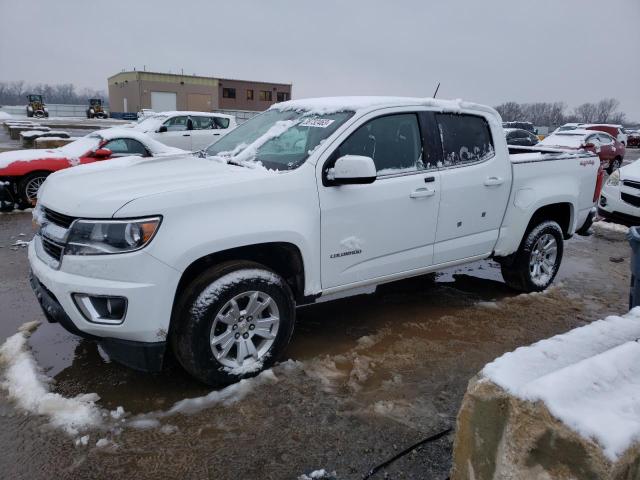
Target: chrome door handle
pixel 422 193
pixel 493 181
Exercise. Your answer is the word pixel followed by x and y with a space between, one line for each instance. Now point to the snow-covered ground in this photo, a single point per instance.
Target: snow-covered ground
pixel 589 378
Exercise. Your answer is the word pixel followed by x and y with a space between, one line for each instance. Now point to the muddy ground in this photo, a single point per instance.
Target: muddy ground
pixel 368 377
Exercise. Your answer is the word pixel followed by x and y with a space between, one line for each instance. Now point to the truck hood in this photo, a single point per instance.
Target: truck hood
pixel 99 190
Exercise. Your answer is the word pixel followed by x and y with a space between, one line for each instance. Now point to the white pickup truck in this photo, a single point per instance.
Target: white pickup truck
pixel 312 199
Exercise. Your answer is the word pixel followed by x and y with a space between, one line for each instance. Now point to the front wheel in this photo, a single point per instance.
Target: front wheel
pixel 233 321
pixel 538 259
pixel 29 187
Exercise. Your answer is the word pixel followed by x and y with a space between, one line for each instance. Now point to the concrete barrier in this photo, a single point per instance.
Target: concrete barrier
pixel 15 130
pixel 53 142
pixel 563 408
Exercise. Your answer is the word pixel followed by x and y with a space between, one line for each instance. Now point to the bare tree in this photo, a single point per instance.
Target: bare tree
pixel 510 111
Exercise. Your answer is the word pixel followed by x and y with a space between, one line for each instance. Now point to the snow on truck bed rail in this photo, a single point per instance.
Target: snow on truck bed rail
pixel 589 378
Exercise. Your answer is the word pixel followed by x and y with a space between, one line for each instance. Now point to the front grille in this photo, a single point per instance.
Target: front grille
pixel 630 199
pixel 631 183
pixel 60 219
pixel 53 249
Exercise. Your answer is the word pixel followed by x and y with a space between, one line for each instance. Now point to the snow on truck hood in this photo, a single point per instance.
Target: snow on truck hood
pixel 99 189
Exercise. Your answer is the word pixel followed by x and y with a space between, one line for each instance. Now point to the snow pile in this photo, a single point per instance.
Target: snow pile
pixel 317 475
pixel 609 226
pixel 4 115
pixel 227 396
pixel 589 378
pixel 30 388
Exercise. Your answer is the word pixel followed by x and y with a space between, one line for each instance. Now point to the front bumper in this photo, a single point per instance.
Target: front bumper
pixel 150 285
pixel 147 357
pixel 613 207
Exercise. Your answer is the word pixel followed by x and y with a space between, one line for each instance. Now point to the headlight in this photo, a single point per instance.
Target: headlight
pixel 614 179
pixel 102 237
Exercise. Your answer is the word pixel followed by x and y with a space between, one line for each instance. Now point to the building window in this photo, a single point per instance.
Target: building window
pixel 228 93
pixel 249 94
pixel 266 96
pixel 282 96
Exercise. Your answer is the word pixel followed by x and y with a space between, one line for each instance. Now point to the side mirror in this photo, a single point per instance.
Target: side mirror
pixel 162 129
pixel 352 170
pixel 102 153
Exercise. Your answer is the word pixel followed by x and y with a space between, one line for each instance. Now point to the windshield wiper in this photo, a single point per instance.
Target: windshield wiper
pixel 234 162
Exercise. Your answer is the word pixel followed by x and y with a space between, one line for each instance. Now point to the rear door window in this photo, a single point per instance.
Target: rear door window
pixel 221 122
pixel 465 139
pixel 202 123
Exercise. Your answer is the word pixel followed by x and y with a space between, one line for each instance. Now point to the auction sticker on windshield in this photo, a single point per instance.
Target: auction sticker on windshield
pixel 317 122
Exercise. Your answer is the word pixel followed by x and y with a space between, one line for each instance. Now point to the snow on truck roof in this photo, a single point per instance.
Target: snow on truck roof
pixel 328 105
pixel 195 114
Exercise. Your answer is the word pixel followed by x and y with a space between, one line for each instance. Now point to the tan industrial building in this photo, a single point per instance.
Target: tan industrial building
pixel 130 92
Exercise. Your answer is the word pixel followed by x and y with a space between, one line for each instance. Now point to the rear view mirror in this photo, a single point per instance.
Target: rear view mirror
pixel 352 169
pixel 102 153
pixel 162 129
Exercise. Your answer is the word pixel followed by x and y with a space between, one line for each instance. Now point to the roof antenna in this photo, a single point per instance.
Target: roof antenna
pixel 436 92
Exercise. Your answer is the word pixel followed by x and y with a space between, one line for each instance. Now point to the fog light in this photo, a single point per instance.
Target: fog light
pixel 603 201
pixel 101 308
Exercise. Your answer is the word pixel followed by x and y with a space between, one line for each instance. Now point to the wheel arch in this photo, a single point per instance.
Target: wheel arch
pixel 283 258
pixel 562 213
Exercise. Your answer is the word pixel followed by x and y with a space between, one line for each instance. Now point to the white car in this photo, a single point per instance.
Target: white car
pixel 190 131
pixel 620 197
pixel 311 200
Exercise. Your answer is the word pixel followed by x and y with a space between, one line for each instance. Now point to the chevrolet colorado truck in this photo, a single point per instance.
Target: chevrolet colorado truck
pixel 210 254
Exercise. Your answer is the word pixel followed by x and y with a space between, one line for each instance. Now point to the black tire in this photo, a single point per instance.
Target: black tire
pixel 615 164
pixel 206 298
pixel 518 274
pixel 29 114
pixel 25 187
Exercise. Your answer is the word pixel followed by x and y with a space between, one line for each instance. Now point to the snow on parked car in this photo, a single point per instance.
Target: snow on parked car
pixel 24 171
pixel 620 197
pixel 610 151
pixel 190 131
pixel 307 201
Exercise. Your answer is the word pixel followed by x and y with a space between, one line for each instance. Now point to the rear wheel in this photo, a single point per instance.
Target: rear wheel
pixel 29 186
pixel 232 321
pixel 538 259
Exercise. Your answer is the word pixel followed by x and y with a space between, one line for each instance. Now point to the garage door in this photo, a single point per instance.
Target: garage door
pixel 197 102
pixel 163 101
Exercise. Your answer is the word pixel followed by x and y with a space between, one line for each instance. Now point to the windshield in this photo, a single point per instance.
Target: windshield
pixel 151 124
pixel 82 145
pixel 279 140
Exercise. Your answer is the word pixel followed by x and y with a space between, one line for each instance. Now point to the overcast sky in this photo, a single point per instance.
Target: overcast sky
pixel 488 51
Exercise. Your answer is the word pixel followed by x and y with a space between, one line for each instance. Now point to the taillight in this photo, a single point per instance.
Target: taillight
pixel 599 182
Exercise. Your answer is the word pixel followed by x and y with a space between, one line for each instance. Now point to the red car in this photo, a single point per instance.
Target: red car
pixel 633 138
pixel 616 131
pixel 22 172
pixel 610 150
